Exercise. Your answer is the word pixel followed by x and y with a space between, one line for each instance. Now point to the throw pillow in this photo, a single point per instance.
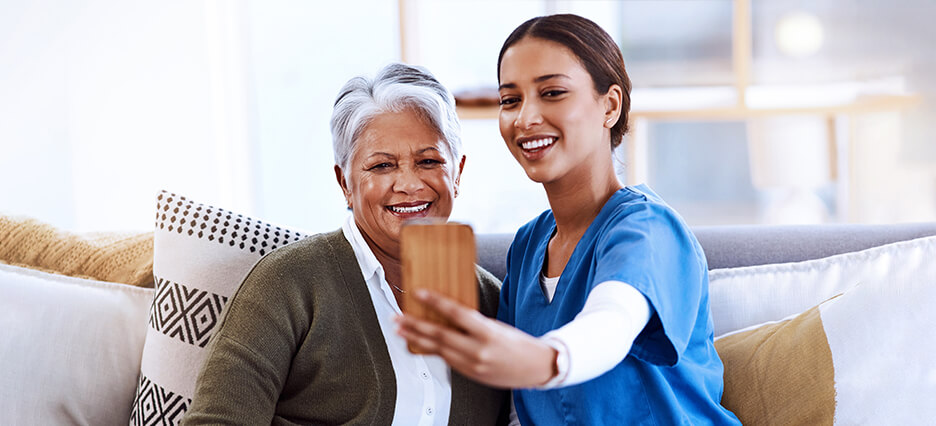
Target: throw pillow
pixel 113 257
pixel 864 357
pixel 70 348
pixel 743 297
pixel 201 255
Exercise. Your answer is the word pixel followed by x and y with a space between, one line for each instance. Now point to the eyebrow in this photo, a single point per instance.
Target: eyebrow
pixel 431 148
pixel 379 154
pixel 385 154
pixel 539 79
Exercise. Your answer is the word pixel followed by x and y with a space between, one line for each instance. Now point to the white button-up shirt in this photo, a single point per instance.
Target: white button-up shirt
pixel 424 383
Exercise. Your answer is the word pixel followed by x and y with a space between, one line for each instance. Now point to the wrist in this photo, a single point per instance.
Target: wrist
pixel 552 370
pixel 558 365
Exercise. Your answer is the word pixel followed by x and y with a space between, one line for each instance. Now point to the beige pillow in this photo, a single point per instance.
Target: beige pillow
pixel 113 257
pixel 780 373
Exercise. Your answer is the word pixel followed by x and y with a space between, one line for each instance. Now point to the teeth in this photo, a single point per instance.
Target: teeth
pixel 538 143
pixel 413 209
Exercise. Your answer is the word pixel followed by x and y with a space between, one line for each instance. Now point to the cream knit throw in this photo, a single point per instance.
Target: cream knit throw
pixel 105 256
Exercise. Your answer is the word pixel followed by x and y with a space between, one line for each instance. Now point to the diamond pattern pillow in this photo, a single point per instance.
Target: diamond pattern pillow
pixel 201 254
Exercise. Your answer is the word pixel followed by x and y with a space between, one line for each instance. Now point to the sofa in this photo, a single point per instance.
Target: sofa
pixel 110 329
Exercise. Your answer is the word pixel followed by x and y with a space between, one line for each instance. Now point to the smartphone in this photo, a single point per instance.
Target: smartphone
pixel 441 257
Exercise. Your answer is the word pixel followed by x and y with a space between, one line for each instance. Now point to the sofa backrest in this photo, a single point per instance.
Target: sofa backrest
pixel 748 245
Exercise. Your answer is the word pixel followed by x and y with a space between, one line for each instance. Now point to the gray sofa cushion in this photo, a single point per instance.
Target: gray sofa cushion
pixel 747 245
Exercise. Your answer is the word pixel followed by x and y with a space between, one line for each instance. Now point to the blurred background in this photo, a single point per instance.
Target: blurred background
pixel 744 111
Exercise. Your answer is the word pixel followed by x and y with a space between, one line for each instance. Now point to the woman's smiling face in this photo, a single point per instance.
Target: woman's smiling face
pixel 551 117
pixel 400 169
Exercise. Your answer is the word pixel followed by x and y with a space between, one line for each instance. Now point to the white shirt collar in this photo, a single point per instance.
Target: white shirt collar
pixel 365 257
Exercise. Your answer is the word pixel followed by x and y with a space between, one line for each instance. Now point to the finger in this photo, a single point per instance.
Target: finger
pixel 466 358
pixel 418 343
pixel 469 320
pixel 441 335
pixel 467 364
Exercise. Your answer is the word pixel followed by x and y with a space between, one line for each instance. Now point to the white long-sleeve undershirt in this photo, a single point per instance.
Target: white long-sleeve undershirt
pixel 599 337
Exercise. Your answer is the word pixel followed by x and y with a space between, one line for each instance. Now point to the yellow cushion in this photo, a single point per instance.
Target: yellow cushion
pixel 780 373
pixel 115 257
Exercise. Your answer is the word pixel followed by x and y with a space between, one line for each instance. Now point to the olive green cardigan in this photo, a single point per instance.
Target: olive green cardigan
pixel 300 344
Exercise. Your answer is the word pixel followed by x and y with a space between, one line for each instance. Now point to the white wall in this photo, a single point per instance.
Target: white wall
pixel 103 102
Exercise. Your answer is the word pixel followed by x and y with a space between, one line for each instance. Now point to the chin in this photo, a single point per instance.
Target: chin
pixel 538 174
pixel 439 215
pixel 536 178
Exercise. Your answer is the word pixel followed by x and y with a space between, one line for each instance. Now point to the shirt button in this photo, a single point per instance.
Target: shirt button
pixel 429 410
pixel 424 375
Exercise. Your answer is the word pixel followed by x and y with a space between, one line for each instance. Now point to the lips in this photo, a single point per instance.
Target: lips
pixel 535 144
pixel 411 209
pixel 535 147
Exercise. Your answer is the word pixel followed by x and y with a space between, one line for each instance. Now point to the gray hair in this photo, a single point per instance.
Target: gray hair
pixel 395 88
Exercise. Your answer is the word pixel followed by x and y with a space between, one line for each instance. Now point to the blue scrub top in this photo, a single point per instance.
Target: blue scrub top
pixel 672 374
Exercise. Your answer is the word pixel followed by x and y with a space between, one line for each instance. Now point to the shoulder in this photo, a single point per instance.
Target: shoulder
pixel 319 244
pixel 489 288
pixel 640 209
pixel 532 231
pixel 288 281
pixel 320 249
pixel 640 218
pixel 318 257
pixel 486 279
pixel 535 226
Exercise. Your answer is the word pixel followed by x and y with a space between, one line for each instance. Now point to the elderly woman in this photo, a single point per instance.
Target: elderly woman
pixel 309 336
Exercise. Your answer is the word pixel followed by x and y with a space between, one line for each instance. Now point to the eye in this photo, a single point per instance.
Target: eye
pixel 553 93
pixel 380 166
pixel 508 101
pixel 430 162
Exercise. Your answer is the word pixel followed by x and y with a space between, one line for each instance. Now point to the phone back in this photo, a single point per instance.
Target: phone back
pixel 439 257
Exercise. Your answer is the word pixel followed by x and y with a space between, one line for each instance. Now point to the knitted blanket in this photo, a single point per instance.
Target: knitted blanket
pixel 115 257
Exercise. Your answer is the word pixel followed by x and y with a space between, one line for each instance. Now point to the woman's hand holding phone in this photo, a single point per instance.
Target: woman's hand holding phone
pixel 480 348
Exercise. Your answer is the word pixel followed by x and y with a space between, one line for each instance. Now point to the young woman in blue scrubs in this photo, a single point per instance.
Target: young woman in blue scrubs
pixel 604 313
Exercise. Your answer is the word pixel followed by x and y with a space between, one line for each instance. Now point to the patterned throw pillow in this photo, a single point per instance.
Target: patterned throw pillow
pixel 201 254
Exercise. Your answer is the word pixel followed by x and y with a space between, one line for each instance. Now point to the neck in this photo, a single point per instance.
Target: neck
pixel 389 261
pixel 577 199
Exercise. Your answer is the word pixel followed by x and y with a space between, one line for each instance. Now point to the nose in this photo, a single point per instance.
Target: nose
pixel 408 181
pixel 529 116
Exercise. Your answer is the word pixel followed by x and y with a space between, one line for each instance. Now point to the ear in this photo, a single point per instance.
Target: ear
pixel 339 175
pixel 613 105
pixel 458 172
